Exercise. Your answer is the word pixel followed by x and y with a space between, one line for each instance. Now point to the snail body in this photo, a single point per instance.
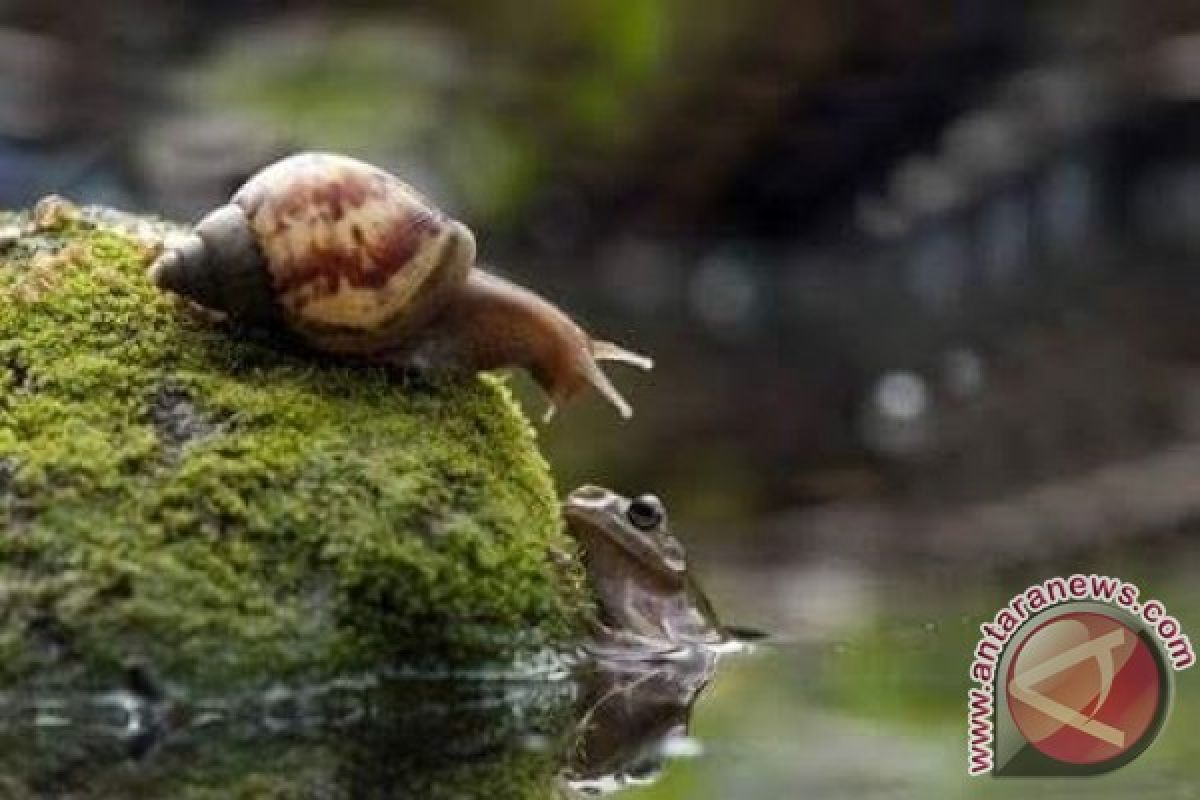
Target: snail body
pixel 353 261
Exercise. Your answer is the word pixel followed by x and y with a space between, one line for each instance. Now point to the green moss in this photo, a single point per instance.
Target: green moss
pixel 175 490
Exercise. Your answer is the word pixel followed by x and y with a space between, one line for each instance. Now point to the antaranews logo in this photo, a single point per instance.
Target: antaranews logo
pixel 1073 678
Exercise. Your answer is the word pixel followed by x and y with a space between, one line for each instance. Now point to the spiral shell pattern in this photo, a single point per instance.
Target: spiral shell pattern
pixel 354 253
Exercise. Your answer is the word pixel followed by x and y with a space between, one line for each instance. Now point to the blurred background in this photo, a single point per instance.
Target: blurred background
pixel 919 276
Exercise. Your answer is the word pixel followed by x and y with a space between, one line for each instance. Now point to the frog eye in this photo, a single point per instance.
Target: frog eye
pixel 646 512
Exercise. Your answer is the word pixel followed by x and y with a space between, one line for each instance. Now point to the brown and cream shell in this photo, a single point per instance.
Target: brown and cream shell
pixel 355 255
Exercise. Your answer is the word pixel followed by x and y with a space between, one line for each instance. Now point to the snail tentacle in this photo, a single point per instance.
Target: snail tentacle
pixel 601 383
pixel 610 351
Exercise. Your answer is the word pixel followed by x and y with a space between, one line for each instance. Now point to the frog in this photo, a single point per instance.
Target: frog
pixel 638 572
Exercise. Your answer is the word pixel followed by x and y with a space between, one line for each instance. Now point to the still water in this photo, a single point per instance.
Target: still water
pixel 858 692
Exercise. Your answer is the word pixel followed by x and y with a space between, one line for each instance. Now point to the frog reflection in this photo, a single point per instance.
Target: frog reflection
pixel 638 572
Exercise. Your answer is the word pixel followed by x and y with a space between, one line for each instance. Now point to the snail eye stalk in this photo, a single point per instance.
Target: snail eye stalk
pixel 646 512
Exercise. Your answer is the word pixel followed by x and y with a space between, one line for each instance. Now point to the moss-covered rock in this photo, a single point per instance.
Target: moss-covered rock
pixel 178 491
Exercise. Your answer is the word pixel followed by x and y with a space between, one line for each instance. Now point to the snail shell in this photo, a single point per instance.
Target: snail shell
pixel 346 255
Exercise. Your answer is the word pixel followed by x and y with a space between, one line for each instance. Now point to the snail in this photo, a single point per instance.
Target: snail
pixel 352 261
